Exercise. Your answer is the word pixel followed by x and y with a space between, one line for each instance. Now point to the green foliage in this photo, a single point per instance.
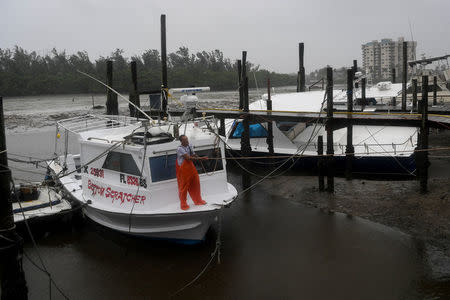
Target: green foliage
pixel 27 73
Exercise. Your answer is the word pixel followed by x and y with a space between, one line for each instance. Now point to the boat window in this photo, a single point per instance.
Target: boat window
pixel 121 162
pixel 163 167
pixel 256 130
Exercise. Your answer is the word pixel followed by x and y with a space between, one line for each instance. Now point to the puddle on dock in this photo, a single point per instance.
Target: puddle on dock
pixel 271 248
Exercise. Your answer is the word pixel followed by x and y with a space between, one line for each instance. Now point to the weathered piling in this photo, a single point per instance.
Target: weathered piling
pixel 222 127
pixel 414 95
pixel 134 93
pixel 363 93
pixel 112 106
pixel 329 129
pixel 164 84
pixel 301 81
pixel 404 75
pixel 349 150
pixel 269 139
pixel 422 156
pixel 245 138
pixel 240 89
pixel 393 75
pixel 12 277
pixel 320 163
pixel 434 90
pixel 355 69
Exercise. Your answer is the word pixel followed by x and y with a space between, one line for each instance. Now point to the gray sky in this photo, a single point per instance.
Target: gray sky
pixel 332 30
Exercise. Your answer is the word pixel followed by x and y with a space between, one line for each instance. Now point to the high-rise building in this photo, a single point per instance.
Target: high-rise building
pixel 380 57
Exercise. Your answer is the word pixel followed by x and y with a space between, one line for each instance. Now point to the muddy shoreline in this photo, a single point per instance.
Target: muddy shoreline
pixel 395 203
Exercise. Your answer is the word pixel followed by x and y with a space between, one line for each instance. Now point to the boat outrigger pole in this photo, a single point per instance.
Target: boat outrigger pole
pixel 118 94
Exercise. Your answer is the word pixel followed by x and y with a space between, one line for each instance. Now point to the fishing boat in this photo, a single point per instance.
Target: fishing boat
pixel 124 177
pixel 378 149
pixel 34 201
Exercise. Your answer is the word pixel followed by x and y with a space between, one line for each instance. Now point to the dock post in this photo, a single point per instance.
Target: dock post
pixel 355 69
pixel 349 150
pixel 164 85
pixel 434 90
pixel 414 94
pixel 301 82
pixel 363 93
pixel 393 75
pixel 404 75
pixel 320 161
pixel 269 122
pixel 12 277
pixel 245 137
pixel 329 129
pixel 222 127
pixel 112 106
pixel 240 88
pixel 134 94
pixel 422 161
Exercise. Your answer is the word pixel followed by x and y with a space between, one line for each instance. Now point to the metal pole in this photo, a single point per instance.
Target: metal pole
pixel 164 85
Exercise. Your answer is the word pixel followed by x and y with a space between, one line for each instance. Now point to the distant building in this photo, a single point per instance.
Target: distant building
pixel 380 57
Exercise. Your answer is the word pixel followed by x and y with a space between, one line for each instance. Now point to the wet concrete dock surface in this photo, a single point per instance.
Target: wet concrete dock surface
pixel 273 246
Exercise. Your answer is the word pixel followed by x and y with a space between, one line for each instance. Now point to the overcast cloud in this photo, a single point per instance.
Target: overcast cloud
pixel 332 30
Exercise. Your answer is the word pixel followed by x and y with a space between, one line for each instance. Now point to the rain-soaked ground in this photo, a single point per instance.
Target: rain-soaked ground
pixel 272 246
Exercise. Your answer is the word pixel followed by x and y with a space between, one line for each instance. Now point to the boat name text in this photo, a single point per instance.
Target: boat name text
pixel 115 195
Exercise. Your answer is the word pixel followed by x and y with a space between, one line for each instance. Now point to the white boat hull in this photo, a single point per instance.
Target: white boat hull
pixel 183 226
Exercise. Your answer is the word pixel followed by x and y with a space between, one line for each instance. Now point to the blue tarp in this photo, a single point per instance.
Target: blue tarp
pixel 256 131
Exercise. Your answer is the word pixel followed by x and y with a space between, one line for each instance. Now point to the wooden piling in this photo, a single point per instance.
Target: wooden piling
pixel 404 75
pixel 320 163
pixel 329 129
pixel 134 94
pixel 301 81
pixel 355 69
pixel 222 127
pixel 245 138
pixel 269 139
pixel 422 161
pixel 414 94
pixel 363 93
pixel 112 106
pixel 240 87
pixel 12 277
pixel 393 75
pixel 434 90
pixel 349 150
pixel 164 84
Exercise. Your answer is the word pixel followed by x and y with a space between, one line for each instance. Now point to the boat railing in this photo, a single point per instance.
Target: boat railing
pixel 90 122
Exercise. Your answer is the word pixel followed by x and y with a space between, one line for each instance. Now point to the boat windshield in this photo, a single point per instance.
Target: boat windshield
pixel 163 167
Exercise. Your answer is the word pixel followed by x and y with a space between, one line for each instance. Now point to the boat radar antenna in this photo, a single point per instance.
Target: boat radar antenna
pixel 118 94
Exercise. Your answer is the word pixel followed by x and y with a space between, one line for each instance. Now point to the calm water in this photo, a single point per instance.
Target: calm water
pixel 272 248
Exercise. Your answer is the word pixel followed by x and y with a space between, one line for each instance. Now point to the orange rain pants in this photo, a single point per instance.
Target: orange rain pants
pixel 188 181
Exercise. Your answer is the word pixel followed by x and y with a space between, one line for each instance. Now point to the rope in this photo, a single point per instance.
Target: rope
pixel 44 268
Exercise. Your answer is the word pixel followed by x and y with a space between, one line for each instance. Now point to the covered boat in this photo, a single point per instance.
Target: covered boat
pixel 124 176
pixel 378 149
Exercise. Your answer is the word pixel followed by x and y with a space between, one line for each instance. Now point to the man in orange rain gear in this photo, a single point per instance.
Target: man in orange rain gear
pixel 187 176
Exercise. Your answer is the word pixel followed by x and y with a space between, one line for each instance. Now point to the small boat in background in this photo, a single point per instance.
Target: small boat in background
pixel 34 201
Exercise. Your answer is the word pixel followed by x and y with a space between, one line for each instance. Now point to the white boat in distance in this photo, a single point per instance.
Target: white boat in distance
pixel 125 179
pixel 378 149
